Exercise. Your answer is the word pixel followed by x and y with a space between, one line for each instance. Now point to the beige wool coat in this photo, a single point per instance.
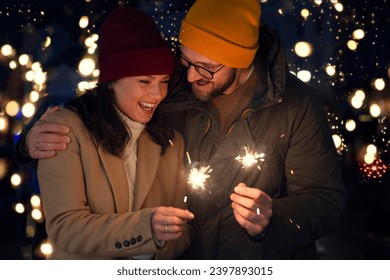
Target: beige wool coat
pixel 85 197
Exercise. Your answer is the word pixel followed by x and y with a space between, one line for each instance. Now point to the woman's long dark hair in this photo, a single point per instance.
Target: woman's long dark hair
pixel 97 111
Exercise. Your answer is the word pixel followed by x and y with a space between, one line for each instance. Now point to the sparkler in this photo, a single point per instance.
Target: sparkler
pixel 198 175
pixel 375 170
pixel 250 158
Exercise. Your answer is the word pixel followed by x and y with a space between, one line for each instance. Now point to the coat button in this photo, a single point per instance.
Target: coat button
pixel 118 245
pixel 133 241
pixel 126 243
pixel 139 238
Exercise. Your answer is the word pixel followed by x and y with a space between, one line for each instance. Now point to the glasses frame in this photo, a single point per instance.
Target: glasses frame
pixel 199 68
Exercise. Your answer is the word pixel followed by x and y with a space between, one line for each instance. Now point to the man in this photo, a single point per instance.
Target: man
pixel 246 103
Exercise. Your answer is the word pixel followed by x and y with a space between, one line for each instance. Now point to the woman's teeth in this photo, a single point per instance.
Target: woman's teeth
pixel 147 106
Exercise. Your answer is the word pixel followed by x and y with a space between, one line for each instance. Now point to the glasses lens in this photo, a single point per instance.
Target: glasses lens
pixel 207 74
pixel 203 72
pixel 184 61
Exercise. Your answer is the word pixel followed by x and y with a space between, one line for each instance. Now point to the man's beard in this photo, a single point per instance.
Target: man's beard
pixel 216 91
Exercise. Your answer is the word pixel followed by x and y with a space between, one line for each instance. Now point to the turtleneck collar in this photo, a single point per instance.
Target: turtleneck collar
pixel 135 127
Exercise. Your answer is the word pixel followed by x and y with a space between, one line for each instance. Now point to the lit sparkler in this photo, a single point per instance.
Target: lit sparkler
pixel 250 158
pixel 375 170
pixel 198 175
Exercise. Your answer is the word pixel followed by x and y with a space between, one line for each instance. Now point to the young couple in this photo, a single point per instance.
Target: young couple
pixel 111 163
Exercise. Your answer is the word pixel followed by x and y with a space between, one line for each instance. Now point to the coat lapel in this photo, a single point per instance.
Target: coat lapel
pixel 147 163
pixel 116 174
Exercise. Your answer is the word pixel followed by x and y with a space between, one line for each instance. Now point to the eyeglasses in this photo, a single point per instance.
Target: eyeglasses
pixel 205 73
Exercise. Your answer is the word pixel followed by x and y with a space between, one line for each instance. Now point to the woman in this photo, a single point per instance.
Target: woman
pixel 117 191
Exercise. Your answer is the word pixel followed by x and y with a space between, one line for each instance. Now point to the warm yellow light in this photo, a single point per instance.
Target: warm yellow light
pixel 96 73
pixel 303 49
pixel 36 67
pixel 36 214
pixel 360 94
pixel 30 75
pixel 19 208
pixel 92 50
pixel 24 59
pixel 13 64
pixel 12 108
pixel 337 141
pixel 371 149
pixel 16 179
pixel 28 110
pixel 86 67
pixel 356 102
pixel 339 7
pixel 318 2
pixel 7 50
pixel 350 125
pixel 84 21
pixel 375 110
pixel 95 37
pixel 89 42
pixel 84 85
pixel 304 75
pixel 352 45
pixel 34 96
pixel 305 13
pixel 46 248
pixel 379 84
pixel 40 78
pixel 47 42
pixel 3 123
pixel 35 201
pixel 368 158
pixel 358 34
pixel 330 70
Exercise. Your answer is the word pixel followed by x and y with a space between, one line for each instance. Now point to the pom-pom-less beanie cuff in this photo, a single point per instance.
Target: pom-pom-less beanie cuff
pixel 216 48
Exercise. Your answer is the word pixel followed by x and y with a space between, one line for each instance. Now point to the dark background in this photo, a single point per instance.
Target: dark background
pixel 365 233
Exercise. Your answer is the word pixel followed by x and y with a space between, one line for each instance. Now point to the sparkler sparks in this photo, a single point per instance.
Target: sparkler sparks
pixel 374 170
pixel 250 158
pixel 198 176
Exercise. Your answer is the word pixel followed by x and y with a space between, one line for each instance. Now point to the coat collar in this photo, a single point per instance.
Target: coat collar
pixel 116 174
pixel 147 165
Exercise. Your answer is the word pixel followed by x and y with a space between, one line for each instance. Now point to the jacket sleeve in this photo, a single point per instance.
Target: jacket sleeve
pixel 316 197
pixel 70 221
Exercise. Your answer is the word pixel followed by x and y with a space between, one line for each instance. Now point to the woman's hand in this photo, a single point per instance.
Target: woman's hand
pixel 168 222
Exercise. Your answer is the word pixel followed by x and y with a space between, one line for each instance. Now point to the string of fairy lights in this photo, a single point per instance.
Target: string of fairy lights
pixel 340 29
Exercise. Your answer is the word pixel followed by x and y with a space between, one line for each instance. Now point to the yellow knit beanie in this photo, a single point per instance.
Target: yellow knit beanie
pixel 225 31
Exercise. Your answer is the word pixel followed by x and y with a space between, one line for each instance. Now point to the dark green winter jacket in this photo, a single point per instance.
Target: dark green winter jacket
pixel 300 169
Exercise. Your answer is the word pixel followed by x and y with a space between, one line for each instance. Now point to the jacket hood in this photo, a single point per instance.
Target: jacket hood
pixel 270 60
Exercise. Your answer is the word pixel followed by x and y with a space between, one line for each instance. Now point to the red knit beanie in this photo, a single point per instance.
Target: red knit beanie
pixel 131 45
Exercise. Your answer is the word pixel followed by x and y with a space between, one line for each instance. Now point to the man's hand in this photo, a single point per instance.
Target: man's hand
pixel 45 138
pixel 252 208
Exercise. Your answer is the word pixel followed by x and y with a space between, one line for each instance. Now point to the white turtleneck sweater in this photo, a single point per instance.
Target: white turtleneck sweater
pixel 130 153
